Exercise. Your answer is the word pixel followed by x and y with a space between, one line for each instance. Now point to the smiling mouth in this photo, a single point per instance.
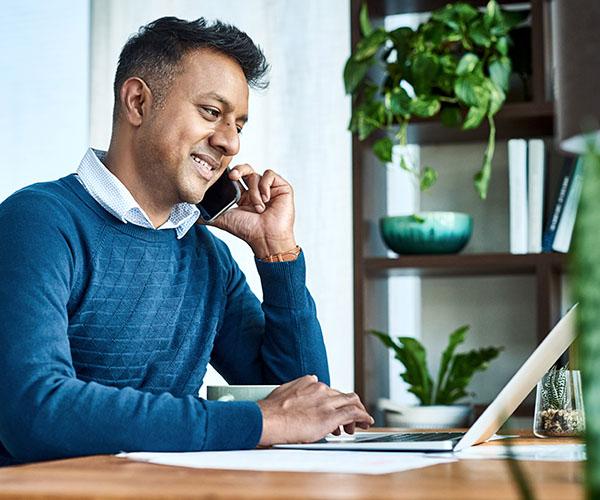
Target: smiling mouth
pixel 205 168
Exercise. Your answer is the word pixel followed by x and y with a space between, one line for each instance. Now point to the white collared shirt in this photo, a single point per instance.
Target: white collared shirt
pixel 116 199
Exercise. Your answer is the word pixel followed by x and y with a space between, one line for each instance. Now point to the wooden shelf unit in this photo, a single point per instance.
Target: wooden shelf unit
pixel 533 118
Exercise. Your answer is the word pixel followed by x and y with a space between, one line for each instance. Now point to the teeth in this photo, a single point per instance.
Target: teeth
pixel 201 162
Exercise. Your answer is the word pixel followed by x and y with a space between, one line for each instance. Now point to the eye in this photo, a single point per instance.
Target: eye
pixel 213 112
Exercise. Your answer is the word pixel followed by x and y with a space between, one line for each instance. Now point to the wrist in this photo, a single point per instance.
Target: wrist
pixel 266 248
pixel 266 438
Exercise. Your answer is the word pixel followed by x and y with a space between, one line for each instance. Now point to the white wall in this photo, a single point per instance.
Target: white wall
pixel 500 310
pixel 297 127
pixel 44 106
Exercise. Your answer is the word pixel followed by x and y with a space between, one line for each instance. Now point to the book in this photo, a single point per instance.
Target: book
pixel 566 224
pixel 517 180
pixel 566 175
pixel 535 193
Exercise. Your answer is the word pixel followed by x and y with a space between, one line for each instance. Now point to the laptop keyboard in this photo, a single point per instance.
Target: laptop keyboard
pixel 416 436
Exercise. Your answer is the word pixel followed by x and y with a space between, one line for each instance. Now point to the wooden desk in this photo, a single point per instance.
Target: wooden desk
pixel 111 477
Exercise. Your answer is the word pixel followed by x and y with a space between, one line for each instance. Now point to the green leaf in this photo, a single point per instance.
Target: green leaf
pixel 457 337
pixel 424 72
pixel 400 102
pixel 365 24
pixel 461 371
pixel 354 72
pixel 412 355
pixel 500 68
pixel 448 64
pixel 365 125
pixel 433 34
pixel 465 11
pixel 425 106
pixel 474 117
pixel 383 149
pixel 497 97
pixel 451 116
pixel 368 46
pixel 480 34
pixel 470 91
pixel 467 64
pixel 402 38
pixel 512 18
pixel 429 177
pixel 385 338
pixel 493 12
pixel 448 16
pixel 502 45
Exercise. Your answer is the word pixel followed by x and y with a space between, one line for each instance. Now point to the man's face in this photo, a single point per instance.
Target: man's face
pixel 184 146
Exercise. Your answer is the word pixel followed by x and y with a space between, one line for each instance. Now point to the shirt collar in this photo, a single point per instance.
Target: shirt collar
pixel 116 199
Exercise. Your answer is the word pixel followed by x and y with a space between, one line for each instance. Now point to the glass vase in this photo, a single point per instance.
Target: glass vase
pixel 559 405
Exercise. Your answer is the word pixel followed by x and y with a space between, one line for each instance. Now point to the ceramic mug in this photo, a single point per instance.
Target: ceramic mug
pixel 238 392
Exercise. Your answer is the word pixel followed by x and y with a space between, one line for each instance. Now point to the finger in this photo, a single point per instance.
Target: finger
pixel 352 414
pixel 336 432
pixel 240 171
pixel 350 398
pixel 267 180
pixel 253 193
pixel 349 428
pixel 321 392
pixel 306 380
pixel 302 382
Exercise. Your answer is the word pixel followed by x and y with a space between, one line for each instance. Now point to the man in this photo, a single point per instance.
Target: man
pixel 112 299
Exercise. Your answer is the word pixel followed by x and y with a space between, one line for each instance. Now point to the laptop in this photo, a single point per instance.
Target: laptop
pixel 511 396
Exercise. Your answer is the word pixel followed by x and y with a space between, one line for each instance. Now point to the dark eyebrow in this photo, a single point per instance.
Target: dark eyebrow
pixel 224 101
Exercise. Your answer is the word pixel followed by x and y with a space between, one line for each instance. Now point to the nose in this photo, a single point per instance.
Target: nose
pixel 225 138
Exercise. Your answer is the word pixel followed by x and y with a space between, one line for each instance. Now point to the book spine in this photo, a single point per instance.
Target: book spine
pixel 565 179
pixel 564 231
pixel 517 174
pixel 535 196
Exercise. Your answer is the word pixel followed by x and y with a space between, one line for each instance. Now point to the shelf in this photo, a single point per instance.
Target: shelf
pixel 486 264
pixel 519 119
pixel 382 8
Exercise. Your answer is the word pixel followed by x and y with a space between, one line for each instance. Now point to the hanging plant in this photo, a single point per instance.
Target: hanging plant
pixel 455 66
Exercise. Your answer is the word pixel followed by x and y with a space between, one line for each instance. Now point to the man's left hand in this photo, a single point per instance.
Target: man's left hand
pixel 264 217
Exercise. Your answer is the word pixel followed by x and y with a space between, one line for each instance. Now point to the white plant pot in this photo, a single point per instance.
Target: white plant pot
pixel 425 417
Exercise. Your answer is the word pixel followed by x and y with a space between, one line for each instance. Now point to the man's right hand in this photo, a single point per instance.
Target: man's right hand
pixel 305 410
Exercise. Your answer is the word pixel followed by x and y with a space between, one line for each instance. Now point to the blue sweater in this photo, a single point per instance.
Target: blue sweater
pixel 106 330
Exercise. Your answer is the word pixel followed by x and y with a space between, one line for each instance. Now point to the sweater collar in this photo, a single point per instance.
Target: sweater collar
pixel 116 199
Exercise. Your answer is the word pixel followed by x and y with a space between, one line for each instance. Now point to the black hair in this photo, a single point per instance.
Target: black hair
pixel 155 51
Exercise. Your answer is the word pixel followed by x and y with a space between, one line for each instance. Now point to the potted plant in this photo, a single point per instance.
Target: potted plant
pixel 437 400
pixel 455 66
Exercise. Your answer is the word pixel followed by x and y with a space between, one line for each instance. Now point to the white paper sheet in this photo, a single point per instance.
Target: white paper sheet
pixel 345 462
pixel 535 452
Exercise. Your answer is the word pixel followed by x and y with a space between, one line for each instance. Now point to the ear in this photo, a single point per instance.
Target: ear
pixel 136 100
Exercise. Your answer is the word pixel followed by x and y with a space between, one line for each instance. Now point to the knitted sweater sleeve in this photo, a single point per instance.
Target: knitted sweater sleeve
pixel 273 342
pixel 45 410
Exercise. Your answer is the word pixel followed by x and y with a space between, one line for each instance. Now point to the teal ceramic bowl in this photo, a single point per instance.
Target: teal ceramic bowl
pixel 427 232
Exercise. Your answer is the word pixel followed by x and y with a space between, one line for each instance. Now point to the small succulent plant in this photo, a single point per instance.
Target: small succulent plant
pixel 554 391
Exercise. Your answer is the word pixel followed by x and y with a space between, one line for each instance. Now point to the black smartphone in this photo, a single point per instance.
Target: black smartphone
pixel 219 197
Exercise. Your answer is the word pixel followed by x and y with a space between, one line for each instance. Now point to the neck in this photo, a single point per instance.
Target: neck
pixel 122 164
